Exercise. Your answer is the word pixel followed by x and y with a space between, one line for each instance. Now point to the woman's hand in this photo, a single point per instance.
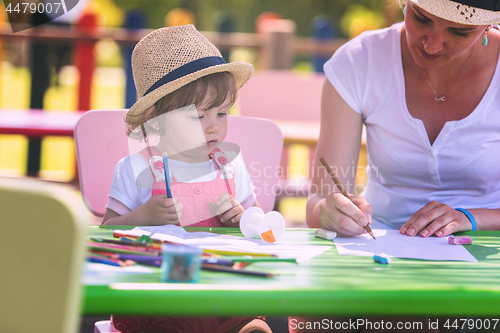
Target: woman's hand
pixel 437 219
pixel 159 210
pixel 345 217
pixel 227 209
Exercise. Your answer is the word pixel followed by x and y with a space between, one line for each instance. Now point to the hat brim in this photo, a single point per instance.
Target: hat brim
pixel 241 72
pixel 447 10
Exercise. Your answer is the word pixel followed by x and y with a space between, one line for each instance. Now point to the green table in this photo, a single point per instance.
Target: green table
pixel 328 284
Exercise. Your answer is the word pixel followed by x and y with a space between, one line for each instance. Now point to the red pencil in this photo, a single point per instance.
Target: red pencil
pixel 109 261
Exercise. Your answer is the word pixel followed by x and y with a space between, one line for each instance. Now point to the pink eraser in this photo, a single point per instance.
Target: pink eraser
pixel 455 240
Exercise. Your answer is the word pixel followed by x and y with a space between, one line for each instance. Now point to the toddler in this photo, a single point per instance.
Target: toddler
pixel 185 89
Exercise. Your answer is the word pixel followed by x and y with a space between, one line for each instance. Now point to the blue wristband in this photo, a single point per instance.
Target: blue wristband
pixel 470 217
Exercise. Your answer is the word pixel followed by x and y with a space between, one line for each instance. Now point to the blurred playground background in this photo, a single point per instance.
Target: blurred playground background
pixel 326 21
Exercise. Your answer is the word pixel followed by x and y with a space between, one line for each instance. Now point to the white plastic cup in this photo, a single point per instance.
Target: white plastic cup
pixel 250 221
pixel 272 227
pixel 269 227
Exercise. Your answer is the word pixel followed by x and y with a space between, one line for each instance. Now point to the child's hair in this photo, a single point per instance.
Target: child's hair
pixel 220 85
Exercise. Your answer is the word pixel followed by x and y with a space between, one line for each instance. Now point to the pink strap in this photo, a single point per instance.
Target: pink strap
pixel 220 159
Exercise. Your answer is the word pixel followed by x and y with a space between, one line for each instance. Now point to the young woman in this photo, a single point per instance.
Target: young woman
pixel 428 91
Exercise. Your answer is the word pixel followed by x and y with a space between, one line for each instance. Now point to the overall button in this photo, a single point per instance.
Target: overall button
pixel 201 217
pixel 197 190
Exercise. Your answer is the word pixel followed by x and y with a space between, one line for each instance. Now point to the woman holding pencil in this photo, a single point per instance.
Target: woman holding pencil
pixel 428 91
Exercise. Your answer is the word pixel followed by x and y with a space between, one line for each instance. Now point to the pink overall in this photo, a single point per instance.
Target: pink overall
pixel 195 198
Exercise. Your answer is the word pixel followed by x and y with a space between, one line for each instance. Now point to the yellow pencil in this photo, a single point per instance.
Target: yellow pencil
pixel 235 253
pixel 342 190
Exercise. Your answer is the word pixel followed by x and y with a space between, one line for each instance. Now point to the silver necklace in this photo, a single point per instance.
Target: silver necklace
pixel 443 98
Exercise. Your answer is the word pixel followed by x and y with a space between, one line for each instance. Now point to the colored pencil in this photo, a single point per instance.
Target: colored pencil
pixel 167 174
pixel 111 262
pixel 124 242
pixel 103 261
pixel 121 249
pixel 209 260
pixel 154 261
pixel 225 269
pixel 260 259
pixel 342 190
pixel 217 261
pixel 236 253
pixel 127 259
pixel 101 255
pixel 127 256
pixel 156 242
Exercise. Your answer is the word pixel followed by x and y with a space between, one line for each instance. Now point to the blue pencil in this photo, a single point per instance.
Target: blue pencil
pixel 167 177
pixel 103 261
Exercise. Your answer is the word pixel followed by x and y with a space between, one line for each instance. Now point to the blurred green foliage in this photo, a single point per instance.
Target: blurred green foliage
pixel 358 18
pixel 244 12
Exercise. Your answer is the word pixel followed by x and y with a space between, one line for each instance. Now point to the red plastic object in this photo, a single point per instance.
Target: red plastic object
pixel 263 20
pixel 85 60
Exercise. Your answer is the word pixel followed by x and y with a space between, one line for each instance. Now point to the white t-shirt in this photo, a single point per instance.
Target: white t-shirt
pixel 461 168
pixel 133 190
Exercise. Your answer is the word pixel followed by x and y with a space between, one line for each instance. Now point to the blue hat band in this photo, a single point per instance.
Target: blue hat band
pixel 189 68
pixel 493 5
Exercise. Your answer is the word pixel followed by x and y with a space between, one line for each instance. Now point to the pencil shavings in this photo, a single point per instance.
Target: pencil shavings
pixel 457 240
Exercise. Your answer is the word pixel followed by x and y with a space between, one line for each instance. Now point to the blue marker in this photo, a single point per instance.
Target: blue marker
pixel 167 177
pixel 382 260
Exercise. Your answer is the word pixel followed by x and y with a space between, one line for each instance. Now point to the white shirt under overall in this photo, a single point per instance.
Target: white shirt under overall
pixel 461 168
pixel 125 190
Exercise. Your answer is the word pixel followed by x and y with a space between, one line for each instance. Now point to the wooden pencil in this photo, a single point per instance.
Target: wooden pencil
pixel 225 269
pixel 342 190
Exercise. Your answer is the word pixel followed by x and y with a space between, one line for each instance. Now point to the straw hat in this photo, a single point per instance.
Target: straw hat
pixel 471 12
pixel 169 58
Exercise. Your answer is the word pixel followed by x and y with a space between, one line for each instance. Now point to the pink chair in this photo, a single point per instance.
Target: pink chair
pixel 101 142
pixel 282 95
pixel 104 326
pixel 293 101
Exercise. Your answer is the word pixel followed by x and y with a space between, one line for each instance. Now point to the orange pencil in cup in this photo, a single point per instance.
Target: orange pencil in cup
pixel 342 190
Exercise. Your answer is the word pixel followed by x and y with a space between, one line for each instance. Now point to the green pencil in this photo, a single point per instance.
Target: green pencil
pixel 257 259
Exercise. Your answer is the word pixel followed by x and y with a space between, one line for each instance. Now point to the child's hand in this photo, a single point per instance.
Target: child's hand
pixel 160 210
pixel 227 209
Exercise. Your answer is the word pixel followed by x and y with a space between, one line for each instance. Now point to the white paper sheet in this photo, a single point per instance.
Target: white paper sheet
pixel 92 268
pixel 102 274
pixel 212 241
pixel 391 243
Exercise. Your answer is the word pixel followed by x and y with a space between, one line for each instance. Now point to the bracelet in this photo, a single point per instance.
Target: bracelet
pixel 470 217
